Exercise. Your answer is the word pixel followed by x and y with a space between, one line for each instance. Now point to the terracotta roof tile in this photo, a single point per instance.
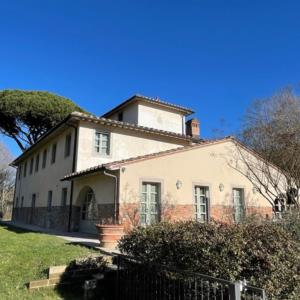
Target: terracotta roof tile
pixel 139 97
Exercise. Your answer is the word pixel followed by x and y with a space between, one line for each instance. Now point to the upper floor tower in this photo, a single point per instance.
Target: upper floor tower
pixel 153 113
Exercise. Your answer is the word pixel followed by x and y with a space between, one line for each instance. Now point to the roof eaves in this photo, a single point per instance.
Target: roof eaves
pixel 104 121
pixel 46 134
pixel 82 172
pixel 138 97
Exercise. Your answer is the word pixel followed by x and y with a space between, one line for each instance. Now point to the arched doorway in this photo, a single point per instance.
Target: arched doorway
pixel 88 211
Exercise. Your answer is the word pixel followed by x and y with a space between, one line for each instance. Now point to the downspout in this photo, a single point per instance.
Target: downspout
pixel 116 218
pixel 72 181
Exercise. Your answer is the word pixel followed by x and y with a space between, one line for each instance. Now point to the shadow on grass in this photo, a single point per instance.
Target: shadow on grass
pixel 88 245
pixel 87 278
pixel 70 292
pixel 16 229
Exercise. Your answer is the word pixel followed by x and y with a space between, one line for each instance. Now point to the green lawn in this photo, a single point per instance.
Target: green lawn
pixel 26 256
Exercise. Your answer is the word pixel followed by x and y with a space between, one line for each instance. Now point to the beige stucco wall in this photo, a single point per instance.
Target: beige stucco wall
pixel 48 178
pixel 124 144
pixel 204 166
pixel 130 114
pixel 153 116
pixel 160 118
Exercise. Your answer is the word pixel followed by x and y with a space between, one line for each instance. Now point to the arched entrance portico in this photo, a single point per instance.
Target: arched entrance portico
pixel 88 216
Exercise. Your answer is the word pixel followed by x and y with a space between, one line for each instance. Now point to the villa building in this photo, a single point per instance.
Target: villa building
pixel 139 163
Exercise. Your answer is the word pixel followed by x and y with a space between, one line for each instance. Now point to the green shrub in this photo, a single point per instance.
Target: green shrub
pixel 291 222
pixel 262 253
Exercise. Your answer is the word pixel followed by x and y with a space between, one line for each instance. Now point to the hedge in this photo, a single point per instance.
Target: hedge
pixel 264 254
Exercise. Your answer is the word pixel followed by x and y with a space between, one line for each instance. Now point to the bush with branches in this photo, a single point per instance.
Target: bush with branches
pixel 264 254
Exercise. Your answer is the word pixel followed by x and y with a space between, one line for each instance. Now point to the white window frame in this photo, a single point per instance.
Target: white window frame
pixel 98 142
pixel 148 193
pixel 243 204
pixel 204 195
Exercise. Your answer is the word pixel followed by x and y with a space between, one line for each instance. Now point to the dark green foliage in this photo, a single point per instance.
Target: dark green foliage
pixel 291 222
pixel 26 115
pixel 87 263
pixel 263 254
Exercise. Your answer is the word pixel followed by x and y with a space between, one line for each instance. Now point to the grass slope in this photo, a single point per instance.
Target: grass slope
pixel 25 256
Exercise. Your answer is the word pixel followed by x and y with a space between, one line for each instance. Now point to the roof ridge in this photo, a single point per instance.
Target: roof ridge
pixel 162 101
pixel 149 99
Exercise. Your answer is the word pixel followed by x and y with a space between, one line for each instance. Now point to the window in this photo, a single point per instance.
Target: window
pixel 33 200
pixel 89 207
pixel 44 162
pixel 68 145
pixel 102 141
pixel 53 156
pixel 64 194
pixel 279 207
pixel 25 169
pixel 31 166
pixel 17 202
pixel 49 203
pixel 20 171
pixel 22 201
pixel 238 204
pixel 201 194
pixel 150 203
pixel 37 162
pixel 120 116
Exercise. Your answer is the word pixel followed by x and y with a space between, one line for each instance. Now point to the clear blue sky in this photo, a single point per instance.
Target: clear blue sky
pixel 212 56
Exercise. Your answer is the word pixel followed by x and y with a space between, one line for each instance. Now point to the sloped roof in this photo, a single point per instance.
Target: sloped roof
pixel 186 111
pixel 103 121
pixel 117 164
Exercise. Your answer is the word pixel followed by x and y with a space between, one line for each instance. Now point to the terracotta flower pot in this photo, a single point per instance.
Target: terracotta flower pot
pixel 109 235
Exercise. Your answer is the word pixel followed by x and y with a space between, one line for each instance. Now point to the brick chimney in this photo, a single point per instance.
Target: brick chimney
pixel 193 128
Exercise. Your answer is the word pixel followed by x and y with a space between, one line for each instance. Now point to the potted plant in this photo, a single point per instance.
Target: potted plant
pixel 109 233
